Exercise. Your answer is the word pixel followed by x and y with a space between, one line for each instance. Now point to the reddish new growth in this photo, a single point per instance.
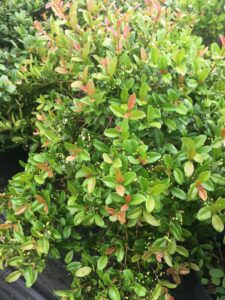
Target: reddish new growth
pixel 201 191
pixel 121 214
pixel 131 102
pixel 222 39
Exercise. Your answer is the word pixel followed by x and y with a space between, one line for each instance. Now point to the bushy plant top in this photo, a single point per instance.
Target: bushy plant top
pixel 126 174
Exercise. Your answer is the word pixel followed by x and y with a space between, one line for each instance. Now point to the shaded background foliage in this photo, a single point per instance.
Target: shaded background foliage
pixel 17 40
pixel 209 18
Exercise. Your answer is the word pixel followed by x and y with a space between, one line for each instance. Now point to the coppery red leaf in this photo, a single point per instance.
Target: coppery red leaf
pixel 40 117
pixel 119 176
pixel 198 184
pixel 202 193
pixel 50 173
pixel 83 88
pixel 124 207
pixel 90 88
pixel 128 198
pixel 110 211
pixel 38 26
pixel 107 22
pixel 159 257
pixel 155 4
pixel 222 39
pixel 203 52
pixel 126 31
pixel 222 132
pixel 121 217
pixel 105 61
pixel 114 32
pixel 70 158
pixel 42 166
pixel 48 5
pixel 142 161
pixel 131 101
pixel 119 23
pixel 120 190
pixel 41 200
pixel 20 210
pixel 110 250
pixel 184 270
pixel 119 46
pixel 5 226
pixel 76 46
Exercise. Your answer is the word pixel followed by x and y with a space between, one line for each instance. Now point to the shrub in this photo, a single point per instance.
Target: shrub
pixel 125 177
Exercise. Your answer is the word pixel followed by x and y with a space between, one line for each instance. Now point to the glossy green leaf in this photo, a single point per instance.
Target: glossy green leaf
pixel 156 292
pixel 128 275
pixel 111 132
pixel 130 145
pixel 84 271
pixel 178 176
pixel 117 110
pixel 139 290
pixel 99 221
pixel 110 182
pixel 180 194
pixel 150 204
pixel 188 168
pixel 176 230
pixel 182 251
pixel 91 182
pixel 153 157
pixel 168 284
pixel 129 177
pixel 216 272
pixel 13 276
pixel 218 179
pixel 69 257
pixel 30 276
pixel 217 223
pixel 102 262
pixel 150 219
pixel 114 293
pixel 163 62
pixel 137 199
pixel 204 176
pixel 137 115
pixel 101 146
pixel 204 213
pixel 111 68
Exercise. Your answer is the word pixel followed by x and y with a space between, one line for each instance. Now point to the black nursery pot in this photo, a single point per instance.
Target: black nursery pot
pixel 9 164
pixel 190 288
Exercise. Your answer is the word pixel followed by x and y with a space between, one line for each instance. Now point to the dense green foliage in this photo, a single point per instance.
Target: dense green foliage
pixel 17 40
pixel 125 177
